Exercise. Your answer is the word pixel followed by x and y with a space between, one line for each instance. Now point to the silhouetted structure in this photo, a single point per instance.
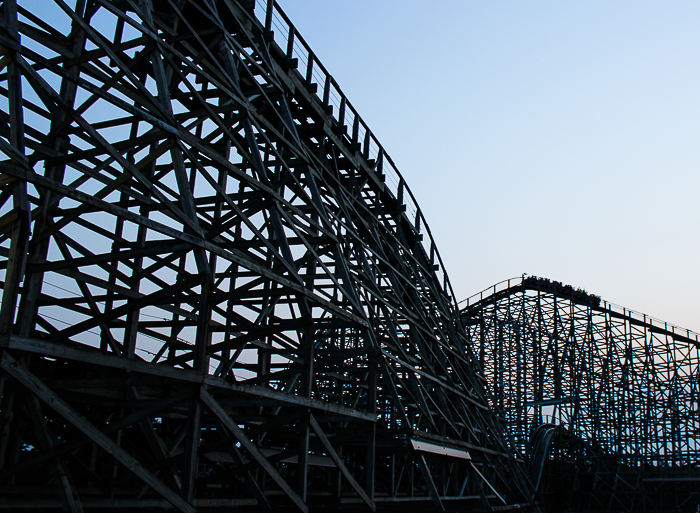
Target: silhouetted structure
pixel 602 401
pixel 218 290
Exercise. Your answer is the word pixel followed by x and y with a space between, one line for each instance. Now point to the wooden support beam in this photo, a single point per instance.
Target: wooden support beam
pixel 190 455
pixel 339 463
pixel 371 452
pixel 303 455
pixel 15 150
pixel 427 476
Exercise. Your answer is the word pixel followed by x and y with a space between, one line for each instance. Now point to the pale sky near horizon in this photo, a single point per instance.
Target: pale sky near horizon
pixel 560 139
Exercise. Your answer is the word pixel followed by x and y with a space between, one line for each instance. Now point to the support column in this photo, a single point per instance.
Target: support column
pixel 303 456
pixel 20 215
pixel 370 454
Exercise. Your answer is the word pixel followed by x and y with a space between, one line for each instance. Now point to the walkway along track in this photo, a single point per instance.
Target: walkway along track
pixel 218 292
pixel 621 381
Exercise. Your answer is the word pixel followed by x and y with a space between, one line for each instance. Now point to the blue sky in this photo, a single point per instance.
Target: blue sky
pixel 560 139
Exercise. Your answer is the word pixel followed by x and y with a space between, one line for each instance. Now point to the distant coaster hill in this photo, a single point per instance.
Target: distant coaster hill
pixel 601 401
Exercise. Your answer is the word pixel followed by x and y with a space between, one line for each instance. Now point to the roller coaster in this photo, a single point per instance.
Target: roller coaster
pixel 613 393
pixel 219 293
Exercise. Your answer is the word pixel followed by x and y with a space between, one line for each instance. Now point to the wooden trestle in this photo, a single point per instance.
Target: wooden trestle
pixel 622 388
pixel 218 291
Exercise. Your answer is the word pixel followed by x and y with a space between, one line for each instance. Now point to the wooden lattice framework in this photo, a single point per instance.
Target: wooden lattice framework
pixel 623 383
pixel 218 290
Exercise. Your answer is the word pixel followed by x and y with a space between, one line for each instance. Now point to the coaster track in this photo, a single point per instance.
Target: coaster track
pixel 218 291
pixel 622 382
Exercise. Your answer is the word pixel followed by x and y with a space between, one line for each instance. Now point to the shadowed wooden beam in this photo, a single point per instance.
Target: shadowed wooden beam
pixel 249 446
pixel 31 382
pixel 339 463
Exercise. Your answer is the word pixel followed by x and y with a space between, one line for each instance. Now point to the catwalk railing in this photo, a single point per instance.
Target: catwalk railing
pixel 214 294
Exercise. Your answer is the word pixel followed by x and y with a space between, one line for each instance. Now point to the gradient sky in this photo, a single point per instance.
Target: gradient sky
pixel 560 139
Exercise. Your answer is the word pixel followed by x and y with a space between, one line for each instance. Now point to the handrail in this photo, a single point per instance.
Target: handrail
pixel 360 138
pixel 495 288
pixel 651 321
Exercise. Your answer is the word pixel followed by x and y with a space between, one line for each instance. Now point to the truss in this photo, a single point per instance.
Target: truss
pixel 218 290
pixel 622 383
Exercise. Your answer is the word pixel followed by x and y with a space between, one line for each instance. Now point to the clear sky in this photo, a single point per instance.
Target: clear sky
pixel 556 138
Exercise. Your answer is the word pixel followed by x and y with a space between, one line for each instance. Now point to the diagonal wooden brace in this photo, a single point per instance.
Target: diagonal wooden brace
pixel 425 470
pixel 249 446
pixel 339 463
pixel 37 387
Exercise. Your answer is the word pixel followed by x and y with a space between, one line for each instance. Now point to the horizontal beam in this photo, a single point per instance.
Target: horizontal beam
pixel 96 357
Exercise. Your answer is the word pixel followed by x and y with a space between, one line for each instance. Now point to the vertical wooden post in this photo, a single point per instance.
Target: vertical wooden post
pixel 355 129
pixel 327 90
pixel 310 69
pixel 370 454
pixel 268 15
pixel 290 42
pixel 189 464
pixel 20 231
pixel 303 456
pixel 341 113
pixel 365 145
pixel 7 401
